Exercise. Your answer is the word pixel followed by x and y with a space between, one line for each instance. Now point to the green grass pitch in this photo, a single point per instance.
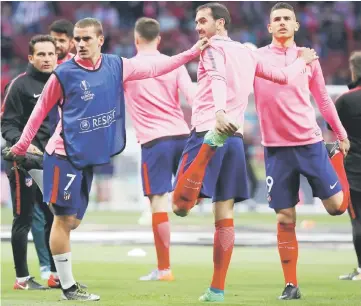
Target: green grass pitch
pixel 254 278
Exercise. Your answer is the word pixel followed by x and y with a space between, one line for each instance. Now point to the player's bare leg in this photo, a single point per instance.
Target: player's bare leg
pixel 335 205
pixel 222 249
pixel 161 231
pixel 288 251
pixel 60 248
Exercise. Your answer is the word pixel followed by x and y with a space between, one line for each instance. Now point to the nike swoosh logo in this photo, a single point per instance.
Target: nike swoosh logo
pixel 62 260
pixel 333 186
pixel 37 96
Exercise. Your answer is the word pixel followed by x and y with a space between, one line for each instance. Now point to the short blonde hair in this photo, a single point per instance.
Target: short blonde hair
pixel 90 22
pixel 147 28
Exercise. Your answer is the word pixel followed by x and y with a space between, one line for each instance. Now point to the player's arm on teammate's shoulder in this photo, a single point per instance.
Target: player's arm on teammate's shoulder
pixel 52 93
pixel 12 113
pixel 326 106
pixel 285 75
pixel 144 68
pixel 185 84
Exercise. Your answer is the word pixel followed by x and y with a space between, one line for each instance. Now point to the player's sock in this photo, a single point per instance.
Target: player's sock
pixel 337 162
pixel 161 231
pixel 222 252
pixel 22 279
pixel 189 184
pixel 288 250
pixel 64 268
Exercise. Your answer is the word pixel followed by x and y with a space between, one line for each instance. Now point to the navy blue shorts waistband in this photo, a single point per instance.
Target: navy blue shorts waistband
pixel 157 140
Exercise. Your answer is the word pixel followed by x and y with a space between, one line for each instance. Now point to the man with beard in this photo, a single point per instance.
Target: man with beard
pixel 62 32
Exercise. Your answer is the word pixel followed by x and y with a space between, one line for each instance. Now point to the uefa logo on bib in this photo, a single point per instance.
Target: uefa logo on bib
pixel 84 125
pixel 87 94
pixel 84 85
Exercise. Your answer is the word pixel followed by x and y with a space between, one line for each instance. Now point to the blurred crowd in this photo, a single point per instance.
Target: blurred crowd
pixel 332 28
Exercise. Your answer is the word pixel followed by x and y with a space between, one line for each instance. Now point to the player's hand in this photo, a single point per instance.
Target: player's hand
pixel 224 125
pixel 11 156
pixel 202 44
pixel 34 150
pixel 309 55
pixel 344 146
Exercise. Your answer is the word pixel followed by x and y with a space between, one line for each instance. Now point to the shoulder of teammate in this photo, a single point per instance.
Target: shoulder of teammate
pixel 215 46
pixel 211 55
pixel 314 65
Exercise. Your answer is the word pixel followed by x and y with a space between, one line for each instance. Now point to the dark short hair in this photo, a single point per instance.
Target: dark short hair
pixel 90 22
pixel 147 28
pixel 39 38
pixel 62 26
pixel 282 5
pixel 219 11
pixel 355 63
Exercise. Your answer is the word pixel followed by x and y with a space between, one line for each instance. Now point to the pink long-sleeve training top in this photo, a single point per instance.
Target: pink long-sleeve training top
pixel 226 74
pixel 286 114
pixel 154 103
pixel 133 69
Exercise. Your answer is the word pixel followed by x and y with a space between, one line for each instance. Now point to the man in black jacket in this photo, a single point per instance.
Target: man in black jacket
pixel 349 110
pixel 21 96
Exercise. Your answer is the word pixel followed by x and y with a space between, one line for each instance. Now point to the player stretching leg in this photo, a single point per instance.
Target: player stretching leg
pixel 293 141
pixel 225 79
pixel 88 86
pixel 210 111
pixel 162 132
